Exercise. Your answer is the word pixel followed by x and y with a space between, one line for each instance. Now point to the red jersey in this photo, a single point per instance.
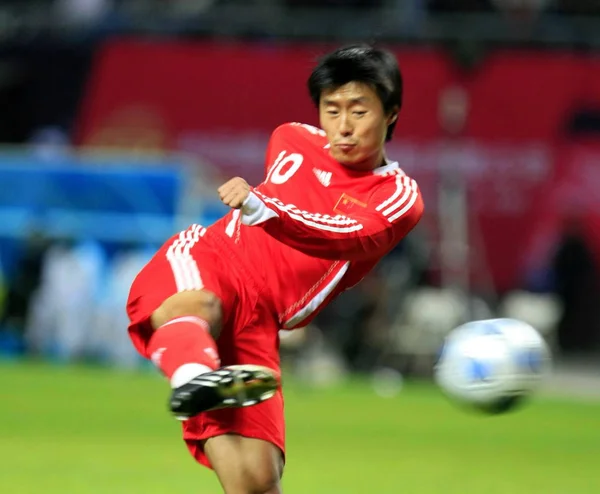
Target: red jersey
pixel 315 228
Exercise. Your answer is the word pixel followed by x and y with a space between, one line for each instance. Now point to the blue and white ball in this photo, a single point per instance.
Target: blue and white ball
pixel 492 365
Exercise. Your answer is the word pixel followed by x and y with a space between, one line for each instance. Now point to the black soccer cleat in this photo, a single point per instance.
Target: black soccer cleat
pixel 231 386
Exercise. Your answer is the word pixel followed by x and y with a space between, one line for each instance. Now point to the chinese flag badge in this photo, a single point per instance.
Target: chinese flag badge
pixel 347 204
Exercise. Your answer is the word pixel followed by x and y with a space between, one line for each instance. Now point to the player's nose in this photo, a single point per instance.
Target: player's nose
pixel 345 129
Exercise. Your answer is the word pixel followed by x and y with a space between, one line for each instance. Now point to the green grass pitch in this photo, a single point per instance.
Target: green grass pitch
pixel 84 430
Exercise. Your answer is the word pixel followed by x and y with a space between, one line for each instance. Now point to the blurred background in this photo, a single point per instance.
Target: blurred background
pixel 119 118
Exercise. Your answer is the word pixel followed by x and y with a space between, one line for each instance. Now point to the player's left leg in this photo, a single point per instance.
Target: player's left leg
pixel 245 465
pixel 245 446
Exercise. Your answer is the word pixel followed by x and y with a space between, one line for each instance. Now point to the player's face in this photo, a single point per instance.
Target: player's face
pixel 353 118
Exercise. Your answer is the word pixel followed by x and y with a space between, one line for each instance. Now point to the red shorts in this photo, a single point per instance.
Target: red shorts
pixel 195 259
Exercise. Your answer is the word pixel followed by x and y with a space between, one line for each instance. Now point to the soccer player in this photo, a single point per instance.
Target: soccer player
pixel 208 307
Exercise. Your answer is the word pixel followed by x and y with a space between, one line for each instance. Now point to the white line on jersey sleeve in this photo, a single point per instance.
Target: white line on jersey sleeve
pixel 255 211
pixel 405 196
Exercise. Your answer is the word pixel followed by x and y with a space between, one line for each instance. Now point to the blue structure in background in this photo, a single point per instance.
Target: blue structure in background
pixel 110 199
pixel 111 204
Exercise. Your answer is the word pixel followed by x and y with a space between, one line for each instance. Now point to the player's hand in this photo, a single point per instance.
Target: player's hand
pixel 234 192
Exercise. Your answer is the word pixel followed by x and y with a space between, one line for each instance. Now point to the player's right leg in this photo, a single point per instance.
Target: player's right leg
pixel 175 318
pixel 185 328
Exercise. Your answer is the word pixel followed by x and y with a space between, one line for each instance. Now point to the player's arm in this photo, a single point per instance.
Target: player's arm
pixel 357 232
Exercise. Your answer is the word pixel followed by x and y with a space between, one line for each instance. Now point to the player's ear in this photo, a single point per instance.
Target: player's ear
pixel 393 116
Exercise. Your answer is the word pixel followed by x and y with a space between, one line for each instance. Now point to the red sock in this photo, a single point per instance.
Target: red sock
pixel 183 340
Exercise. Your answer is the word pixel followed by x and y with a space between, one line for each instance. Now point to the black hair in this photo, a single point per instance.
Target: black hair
pixel 375 67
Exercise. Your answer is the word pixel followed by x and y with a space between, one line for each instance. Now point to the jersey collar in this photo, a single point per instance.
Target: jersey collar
pixel 387 168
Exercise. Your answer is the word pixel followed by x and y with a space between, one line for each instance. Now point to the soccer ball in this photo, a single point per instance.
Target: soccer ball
pixel 492 365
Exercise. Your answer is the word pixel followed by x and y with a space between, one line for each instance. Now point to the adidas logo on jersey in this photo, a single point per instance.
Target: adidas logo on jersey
pixel 323 177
